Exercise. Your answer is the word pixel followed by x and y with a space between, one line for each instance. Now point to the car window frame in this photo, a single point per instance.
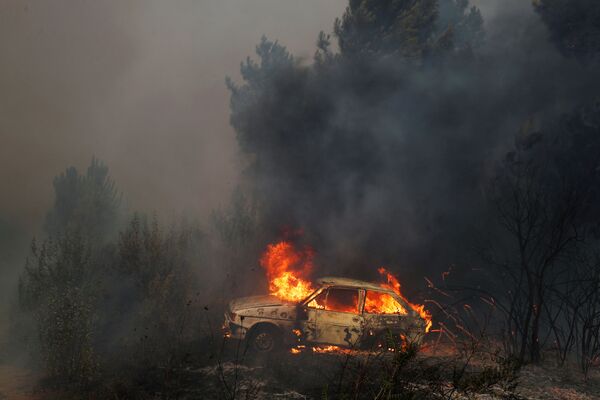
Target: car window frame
pixel 312 296
pixel 395 296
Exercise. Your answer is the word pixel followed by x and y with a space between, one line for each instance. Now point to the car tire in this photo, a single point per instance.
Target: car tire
pixel 264 339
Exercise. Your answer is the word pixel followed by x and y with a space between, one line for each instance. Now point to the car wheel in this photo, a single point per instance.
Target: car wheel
pixel 265 339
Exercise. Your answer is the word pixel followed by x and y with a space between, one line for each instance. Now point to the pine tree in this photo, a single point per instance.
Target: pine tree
pixel 574 26
pixel 88 203
pixel 411 29
pixel 403 27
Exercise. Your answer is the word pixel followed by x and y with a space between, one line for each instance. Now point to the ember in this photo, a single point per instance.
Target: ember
pixel 297 349
pixel 320 349
pixel 327 349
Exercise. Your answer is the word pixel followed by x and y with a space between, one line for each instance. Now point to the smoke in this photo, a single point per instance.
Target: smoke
pixel 384 163
pixel 140 85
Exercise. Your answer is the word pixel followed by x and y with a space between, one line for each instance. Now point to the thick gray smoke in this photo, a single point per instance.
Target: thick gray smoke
pixel 383 161
pixel 137 84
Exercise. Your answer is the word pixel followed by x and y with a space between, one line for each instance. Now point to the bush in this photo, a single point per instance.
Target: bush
pixel 57 288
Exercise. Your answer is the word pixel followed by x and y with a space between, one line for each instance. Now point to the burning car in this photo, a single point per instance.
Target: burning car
pixel 340 311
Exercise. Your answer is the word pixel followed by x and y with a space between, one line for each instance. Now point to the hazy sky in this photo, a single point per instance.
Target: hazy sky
pixel 139 84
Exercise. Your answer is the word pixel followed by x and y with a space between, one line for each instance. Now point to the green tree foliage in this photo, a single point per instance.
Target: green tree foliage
pixel 411 29
pixel 391 26
pixel 59 289
pixel 134 305
pixel 574 26
pixel 463 22
pixel 158 269
pixel 86 203
pixel 260 89
pixel 90 299
pixel 62 280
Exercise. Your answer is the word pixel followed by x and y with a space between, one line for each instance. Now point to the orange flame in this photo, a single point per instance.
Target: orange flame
pixel 323 349
pixel 394 284
pixel 286 270
pixel 382 303
pixel 326 349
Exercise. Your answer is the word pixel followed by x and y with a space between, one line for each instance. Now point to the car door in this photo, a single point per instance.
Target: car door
pixel 309 313
pixel 386 312
pixel 339 321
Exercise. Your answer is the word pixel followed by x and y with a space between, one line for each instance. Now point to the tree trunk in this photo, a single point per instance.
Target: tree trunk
pixel 536 355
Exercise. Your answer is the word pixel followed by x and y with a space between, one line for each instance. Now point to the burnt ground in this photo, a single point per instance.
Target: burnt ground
pixel 548 383
pixel 310 375
pixel 233 374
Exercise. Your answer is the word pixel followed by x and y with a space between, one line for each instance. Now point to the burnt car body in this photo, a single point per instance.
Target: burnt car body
pixel 337 313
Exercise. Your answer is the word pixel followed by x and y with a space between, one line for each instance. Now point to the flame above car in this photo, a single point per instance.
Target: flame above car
pixel 287 270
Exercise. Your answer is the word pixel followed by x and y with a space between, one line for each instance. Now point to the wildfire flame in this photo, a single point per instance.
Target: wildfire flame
pixel 287 269
pixel 394 284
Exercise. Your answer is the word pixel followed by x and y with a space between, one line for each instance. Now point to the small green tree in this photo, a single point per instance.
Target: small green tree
pixel 160 265
pixel 60 286
pixel 58 289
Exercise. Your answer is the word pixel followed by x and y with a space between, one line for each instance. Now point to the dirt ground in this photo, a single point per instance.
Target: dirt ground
pixel 16 383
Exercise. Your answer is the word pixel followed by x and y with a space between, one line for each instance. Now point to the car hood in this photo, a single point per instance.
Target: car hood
pixel 244 303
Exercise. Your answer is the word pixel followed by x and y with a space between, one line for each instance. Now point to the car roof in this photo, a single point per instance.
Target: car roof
pixel 353 283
